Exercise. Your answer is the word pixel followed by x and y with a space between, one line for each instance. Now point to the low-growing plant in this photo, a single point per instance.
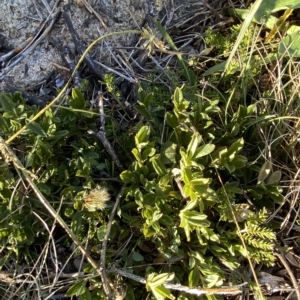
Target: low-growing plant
pixel 202 180
pixel 192 184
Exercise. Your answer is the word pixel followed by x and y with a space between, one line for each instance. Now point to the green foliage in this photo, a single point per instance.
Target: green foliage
pixel 200 181
pixel 57 149
pixel 289 44
pixel 175 182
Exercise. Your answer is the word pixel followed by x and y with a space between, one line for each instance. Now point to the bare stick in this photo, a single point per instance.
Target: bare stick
pixel 106 144
pixel 79 45
pixel 287 267
pixel 226 290
pixel 106 285
pixel 90 9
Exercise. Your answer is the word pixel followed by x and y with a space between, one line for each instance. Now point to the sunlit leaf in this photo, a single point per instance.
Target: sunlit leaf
pixel 76 289
pixel 264 172
pixel 204 150
pixel 274 177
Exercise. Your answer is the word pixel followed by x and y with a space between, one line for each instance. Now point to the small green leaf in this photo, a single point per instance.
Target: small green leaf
pixel 158 165
pixel 76 222
pixel 290 45
pixel 200 181
pixel 136 256
pixel 143 111
pixel 157 280
pixel 194 277
pixel 218 68
pixel 204 150
pixel 186 174
pixel 194 218
pixel 76 289
pixel 171 120
pixel 161 292
pixel 142 136
pixel 148 152
pixel 274 177
pixel 136 154
pixel 37 129
pixel 77 100
pixel 235 148
pixel 59 134
pixel 86 295
pixel 127 176
pixel 166 220
pixel 190 205
pixel 101 231
pixel 193 145
pixel 264 172
pixel 6 101
pixel 44 188
pixel 239 161
pixel 168 153
pixel 178 96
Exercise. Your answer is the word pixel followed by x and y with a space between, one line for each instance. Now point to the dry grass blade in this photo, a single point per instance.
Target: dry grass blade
pixel 287 267
pixel 245 26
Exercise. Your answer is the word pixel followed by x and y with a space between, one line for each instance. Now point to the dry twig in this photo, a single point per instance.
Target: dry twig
pixel 225 291
pixel 110 291
pixel 106 144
